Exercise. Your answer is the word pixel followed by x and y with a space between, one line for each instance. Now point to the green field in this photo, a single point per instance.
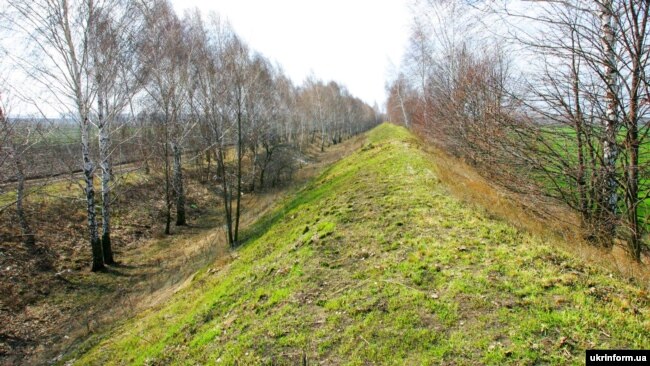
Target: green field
pixel 375 263
pixel 565 145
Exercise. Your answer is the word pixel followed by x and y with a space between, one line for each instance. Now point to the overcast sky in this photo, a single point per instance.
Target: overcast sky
pixel 352 42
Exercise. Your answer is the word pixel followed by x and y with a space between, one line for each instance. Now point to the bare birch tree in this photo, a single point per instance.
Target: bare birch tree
pixel 61 32
pixel 572 126
pixel 167 57
pixel 118 77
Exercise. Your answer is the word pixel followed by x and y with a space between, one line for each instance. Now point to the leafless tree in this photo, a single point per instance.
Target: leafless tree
pixel 15 141
pixel 118 77
pixel 61 32
pixel 167 60
pixel 594 81
pixel 216 104
pixel 570 128
pixel 85 60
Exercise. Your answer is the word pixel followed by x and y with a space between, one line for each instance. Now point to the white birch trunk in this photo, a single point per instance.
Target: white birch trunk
pixel 402 107
pixel 105 165
pixel 610 123
pixel 89 171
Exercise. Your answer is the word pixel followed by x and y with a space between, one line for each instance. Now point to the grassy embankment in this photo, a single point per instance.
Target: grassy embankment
pixel 374 262
pixel 46 311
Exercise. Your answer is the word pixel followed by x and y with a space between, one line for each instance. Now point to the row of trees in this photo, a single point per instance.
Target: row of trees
pixel 554 103
pixel 185 89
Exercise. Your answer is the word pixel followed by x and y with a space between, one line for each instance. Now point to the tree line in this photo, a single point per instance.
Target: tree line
pixel 175 90
pixel 548 99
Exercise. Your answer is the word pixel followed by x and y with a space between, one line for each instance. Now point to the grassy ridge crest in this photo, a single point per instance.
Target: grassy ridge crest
pixel 375 263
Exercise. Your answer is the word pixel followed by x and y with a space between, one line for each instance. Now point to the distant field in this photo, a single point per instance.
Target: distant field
pixel 565 143
pixel 375 263
pixel 56 150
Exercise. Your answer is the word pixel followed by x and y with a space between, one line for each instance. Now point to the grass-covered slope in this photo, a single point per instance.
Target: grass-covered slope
pixel 374 263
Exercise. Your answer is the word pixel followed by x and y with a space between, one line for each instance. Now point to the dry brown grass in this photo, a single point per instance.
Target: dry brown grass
pixel 543 218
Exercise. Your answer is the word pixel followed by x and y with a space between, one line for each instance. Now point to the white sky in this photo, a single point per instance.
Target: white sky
pixel 353 42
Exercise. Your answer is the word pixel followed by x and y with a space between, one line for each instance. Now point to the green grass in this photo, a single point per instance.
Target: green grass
pixel 563 144
pixel 375 263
